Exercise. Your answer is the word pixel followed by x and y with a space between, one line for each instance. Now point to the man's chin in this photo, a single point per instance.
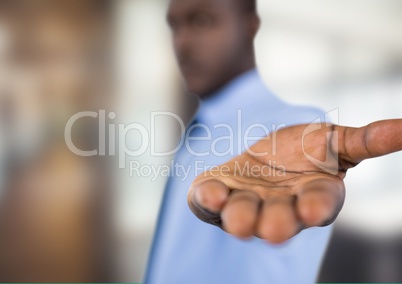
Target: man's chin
pixel 195 89
pixel 198 88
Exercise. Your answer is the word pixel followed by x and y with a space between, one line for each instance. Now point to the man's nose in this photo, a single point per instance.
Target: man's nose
pixel 183 41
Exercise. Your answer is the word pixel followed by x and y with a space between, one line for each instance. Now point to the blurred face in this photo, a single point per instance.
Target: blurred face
pixel 212 42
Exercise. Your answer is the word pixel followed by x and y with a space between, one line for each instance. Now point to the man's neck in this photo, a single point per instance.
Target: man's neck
pixel 234 76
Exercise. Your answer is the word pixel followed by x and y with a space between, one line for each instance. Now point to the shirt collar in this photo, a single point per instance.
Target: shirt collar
pixel 244 90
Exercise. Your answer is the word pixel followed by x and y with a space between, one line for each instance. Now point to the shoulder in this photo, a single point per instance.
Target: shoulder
pixel 282 112
pixel 301 114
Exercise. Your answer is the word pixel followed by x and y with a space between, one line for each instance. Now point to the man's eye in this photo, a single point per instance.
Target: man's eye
pixel 201 21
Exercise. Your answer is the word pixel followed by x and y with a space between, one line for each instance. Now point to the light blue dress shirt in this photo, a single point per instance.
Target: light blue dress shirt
pixel 188 251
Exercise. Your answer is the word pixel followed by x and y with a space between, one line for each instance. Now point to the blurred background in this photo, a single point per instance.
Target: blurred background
pixel 66 218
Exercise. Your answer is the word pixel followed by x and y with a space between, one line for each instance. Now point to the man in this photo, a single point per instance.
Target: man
pixel 287 182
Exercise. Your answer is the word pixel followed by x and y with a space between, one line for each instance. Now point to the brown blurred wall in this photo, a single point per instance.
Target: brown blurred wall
pixel 54 214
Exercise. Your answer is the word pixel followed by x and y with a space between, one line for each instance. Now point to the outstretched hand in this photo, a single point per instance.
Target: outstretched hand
pixel 289 181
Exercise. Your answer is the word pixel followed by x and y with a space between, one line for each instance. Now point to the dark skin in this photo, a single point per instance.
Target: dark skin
pixel 277 206
pixel 213 42
pixel 304 187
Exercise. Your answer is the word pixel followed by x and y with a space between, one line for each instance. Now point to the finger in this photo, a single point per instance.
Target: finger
pixel 239 215
pixel 319 202
pixel 206 200
pixel 210 195
pixel 374 140
pixel 278 220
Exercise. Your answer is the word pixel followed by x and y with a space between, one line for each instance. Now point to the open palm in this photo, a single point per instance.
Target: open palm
pixel 290 180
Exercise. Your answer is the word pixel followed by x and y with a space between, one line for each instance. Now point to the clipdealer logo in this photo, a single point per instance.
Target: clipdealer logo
pixel 237 139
